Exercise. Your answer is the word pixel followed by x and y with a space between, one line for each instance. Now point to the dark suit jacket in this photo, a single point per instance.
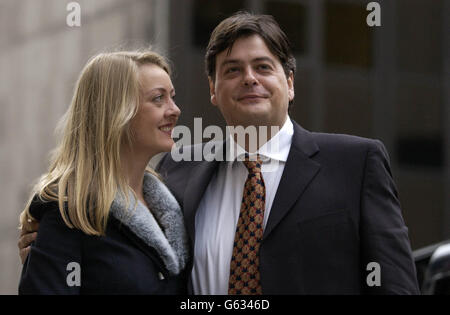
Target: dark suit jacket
pixel 117 263
pixel 335 211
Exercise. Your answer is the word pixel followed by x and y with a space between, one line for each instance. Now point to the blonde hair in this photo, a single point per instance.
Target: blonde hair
pixel 85 169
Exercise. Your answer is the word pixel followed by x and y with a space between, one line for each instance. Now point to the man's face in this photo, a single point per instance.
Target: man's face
pixel 250 86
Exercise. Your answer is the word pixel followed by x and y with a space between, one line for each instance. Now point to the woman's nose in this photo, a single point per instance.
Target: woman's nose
pixel 173 110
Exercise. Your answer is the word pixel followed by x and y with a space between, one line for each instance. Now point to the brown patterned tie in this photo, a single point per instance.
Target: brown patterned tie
pixel 244 266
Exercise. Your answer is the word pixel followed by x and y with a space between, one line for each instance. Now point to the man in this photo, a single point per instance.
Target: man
pixel 325 220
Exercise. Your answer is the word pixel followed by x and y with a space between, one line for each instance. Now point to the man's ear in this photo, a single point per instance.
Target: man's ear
pixel 290 82
pixel 212 91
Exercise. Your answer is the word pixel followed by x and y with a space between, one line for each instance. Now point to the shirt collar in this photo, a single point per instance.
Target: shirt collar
pixel 277 148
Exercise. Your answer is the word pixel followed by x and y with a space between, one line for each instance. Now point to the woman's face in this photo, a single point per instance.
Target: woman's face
pixel 157 113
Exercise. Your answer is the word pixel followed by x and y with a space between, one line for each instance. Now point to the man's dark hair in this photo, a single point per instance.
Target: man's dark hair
pixel 243 24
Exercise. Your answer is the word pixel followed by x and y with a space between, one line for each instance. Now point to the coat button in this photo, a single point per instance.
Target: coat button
pixel 160 276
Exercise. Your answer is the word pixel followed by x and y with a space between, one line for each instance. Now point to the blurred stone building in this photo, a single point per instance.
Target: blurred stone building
pixel 389 82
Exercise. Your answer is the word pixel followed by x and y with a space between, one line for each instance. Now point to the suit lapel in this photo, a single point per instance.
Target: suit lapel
pixel 298 172
pixel 196 186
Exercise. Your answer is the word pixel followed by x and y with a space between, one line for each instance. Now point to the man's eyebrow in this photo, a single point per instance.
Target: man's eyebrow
pixel 267 59
pixel 229 61
pixel 237 61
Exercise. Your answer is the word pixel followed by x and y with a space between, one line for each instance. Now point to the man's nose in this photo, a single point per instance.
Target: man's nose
pixel 249 77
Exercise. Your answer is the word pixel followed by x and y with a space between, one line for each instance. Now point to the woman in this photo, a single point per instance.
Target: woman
pixel 107 223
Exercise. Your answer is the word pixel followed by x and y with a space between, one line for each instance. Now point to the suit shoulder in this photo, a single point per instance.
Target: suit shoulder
pixel 345 142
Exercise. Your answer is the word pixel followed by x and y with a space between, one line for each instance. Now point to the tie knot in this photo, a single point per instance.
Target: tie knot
pixel 252 165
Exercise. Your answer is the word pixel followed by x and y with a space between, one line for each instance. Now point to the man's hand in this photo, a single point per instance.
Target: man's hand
pixel 27 235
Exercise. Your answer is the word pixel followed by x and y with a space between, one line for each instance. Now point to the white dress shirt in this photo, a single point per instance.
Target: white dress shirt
pixel 218 211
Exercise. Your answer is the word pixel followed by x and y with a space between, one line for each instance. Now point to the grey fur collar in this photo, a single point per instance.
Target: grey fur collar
pixel 171 243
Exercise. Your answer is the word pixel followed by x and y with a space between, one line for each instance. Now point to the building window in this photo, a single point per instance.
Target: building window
pixel 348 39
pixel 292 18
pixel 208 14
